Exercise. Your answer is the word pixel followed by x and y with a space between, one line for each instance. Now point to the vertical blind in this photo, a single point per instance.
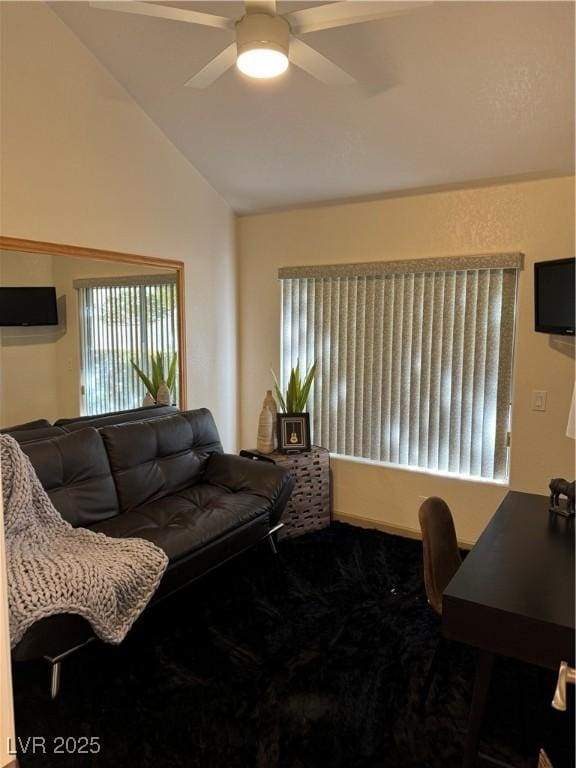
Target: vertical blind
pixel 124 319
pixel 414 359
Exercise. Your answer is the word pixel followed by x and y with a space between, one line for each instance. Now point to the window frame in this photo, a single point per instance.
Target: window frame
pixel 508 313
pixel 92 294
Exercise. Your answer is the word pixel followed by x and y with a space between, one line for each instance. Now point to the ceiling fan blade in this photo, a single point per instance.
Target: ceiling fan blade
pixel 344 13
pixel 214 69
pixel 261 6
pixel 317 65
pixel 167 12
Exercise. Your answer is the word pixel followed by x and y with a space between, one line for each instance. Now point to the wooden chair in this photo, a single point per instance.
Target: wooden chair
pixel 441 561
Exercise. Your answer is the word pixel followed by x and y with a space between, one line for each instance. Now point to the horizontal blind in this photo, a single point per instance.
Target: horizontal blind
pixel 414 368
pixel 121 323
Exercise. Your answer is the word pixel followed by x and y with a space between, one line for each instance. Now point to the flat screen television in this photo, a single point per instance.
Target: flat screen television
pixel 28 306
pixel 554 296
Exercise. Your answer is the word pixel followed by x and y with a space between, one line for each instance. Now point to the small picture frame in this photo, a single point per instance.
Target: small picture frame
pixel 293 432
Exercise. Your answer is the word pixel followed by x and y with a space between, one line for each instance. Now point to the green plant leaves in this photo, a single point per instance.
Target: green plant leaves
pixel 297 391
pixel 305 389
pixel 171 379
pixel 158 373
pixel 144 379
pixel 292 391
pixel 157 370
pixel 278 393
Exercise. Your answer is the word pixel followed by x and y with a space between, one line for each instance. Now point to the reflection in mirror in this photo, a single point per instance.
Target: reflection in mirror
pixel 110 315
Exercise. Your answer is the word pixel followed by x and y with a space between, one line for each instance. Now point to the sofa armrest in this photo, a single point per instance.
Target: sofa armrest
pixel 240 475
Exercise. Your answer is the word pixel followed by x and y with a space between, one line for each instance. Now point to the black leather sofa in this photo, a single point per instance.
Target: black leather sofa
pixel 40 429
pixel 163 478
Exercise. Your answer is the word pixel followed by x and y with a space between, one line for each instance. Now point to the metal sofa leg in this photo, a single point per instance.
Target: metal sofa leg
pixel 56 665
pixel 272 537
pixel 55 680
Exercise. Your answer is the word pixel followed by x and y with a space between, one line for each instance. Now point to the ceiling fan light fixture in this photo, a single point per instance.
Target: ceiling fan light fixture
pixel 262 63
pixel 262 44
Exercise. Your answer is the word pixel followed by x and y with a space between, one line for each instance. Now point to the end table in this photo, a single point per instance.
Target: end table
pixel 308 508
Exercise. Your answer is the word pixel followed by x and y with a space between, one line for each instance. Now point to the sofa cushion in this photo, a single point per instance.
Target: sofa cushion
pixel 187 520
pixel 75 472
pixel 37 424
pixel 33 435
pixel 156 458
pixel 116 417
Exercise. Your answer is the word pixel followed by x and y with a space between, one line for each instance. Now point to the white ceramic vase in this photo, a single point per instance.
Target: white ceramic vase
pixel 270 403
pixel 265 440
pixel 163 396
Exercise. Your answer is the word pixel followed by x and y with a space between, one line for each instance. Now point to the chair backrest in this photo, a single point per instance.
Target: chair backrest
pixel 440 547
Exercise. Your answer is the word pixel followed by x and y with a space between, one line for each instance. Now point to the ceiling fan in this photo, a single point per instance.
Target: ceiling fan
pixel 265 40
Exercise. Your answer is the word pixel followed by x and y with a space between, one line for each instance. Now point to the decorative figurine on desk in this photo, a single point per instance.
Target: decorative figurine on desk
pixel 560 487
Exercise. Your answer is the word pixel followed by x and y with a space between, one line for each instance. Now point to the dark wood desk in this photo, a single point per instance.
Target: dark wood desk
pixel 514 596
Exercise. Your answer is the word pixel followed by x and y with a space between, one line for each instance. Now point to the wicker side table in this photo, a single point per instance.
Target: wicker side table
pixel 308 508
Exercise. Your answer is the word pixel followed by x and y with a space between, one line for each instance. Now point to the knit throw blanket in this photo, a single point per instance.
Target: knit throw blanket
pixel 54 568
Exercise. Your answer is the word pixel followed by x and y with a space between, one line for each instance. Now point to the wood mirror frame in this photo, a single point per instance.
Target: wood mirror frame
pixel 75 251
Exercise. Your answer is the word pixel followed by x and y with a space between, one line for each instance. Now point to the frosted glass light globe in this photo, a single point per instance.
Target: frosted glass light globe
pixel 262 63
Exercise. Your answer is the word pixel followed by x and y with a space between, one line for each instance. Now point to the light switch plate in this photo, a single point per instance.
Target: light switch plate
pixel 539 398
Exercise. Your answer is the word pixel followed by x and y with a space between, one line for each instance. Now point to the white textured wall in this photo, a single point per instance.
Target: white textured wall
pixel 83 165
pixel 55 351
pixel 29 374
pixel 536 218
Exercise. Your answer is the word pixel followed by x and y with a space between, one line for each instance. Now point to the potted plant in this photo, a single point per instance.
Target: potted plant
pixel 294 421
pixel 161 379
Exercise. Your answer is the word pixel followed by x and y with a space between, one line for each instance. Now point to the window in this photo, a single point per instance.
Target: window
pixel 414 359
pixel 123 319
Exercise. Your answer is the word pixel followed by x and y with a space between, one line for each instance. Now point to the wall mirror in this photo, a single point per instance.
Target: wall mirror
pixel 112 309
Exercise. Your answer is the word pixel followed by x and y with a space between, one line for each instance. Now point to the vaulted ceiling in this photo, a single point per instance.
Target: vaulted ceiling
pixel 451 93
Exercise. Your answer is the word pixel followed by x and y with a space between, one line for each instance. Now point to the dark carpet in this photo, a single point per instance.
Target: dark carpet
pixel 312 659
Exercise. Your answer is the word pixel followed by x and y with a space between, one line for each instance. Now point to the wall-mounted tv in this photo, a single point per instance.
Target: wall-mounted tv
pixel 554 296
pixel 28 306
